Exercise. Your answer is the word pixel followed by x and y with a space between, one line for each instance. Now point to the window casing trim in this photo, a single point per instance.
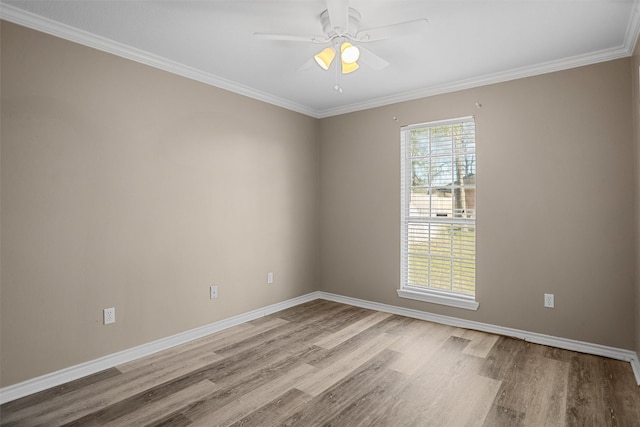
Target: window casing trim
pixel 422 293
pixel 438 297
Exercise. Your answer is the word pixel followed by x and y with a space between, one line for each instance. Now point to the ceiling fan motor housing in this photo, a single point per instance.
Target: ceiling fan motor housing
pixel 348 33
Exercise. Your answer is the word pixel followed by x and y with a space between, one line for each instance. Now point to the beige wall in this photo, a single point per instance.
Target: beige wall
pixel 635 72
pixel 555 198
pixel 127 186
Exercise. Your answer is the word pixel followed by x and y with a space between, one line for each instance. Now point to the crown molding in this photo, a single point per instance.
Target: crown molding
pixel 488 79
pixel 626 49
pixel 633 28
pixel 36 22
pixel 48 26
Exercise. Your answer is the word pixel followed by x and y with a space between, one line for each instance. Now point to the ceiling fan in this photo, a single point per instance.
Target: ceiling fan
pixel 340 24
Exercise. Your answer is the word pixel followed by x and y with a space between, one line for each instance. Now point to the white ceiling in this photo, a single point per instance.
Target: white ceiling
pixel 466 43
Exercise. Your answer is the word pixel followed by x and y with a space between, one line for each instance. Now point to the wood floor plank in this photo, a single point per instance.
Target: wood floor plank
pixel 339 319
pixel 448 389
pixel 549 405
pixel 372 369
pixel 251 401
pixel 502 358
pixel 593 396
pixel 178 420
pixel 204 352
pixel 275 412
pixel 337 398
pixel 312 309
pixel 480 343
pixel 286 348
pixel 285 333
pixel 324 378
pixel 625 402
pixel 369 405
pixel 52 393
pixel 64 409
pixel 239 375
pixel 322 357
pixel 323 311
pixel 351 330
pixel 500 416
pixel 417 348
pixel 142 413
pixel 543 401
pixel 392 325
pixel 219 340
pixel 459 402
pixel 408 326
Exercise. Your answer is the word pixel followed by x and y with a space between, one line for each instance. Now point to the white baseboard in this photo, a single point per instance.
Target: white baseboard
pixel 71 373
pixel 563 343
pixel 635 365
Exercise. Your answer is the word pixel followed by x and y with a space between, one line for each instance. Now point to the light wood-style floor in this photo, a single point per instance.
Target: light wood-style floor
pixel 329 364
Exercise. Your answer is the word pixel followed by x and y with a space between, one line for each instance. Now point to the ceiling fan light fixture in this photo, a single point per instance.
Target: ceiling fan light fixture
pixel 324 58
pixel 349 67
pixel 349 53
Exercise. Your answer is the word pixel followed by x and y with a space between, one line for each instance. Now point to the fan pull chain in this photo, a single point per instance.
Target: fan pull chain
pixel 337 86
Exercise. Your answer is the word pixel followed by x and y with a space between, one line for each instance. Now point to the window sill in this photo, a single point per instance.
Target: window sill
pixel 442 298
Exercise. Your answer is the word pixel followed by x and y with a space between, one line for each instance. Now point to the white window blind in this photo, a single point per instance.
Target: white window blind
pixel 439 212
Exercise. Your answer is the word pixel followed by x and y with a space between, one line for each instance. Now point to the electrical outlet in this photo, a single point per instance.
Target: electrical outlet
pixel 213 292
pixel 548 300
pixel 109 315
pixel 270 278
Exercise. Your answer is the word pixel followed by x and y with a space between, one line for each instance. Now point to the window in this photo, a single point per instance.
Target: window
pixel 439 212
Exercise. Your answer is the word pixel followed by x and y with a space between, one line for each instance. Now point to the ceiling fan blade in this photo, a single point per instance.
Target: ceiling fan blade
pixel 292 37
pixel 308 65
pixel 339 15
pixel 371 59
pixel 393 30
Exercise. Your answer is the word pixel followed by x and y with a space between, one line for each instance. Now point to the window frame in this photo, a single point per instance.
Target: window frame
pixel 419 292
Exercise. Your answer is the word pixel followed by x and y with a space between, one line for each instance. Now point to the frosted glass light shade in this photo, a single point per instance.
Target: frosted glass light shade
pixel 325 57
pixel 349 67
pixel 349 53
